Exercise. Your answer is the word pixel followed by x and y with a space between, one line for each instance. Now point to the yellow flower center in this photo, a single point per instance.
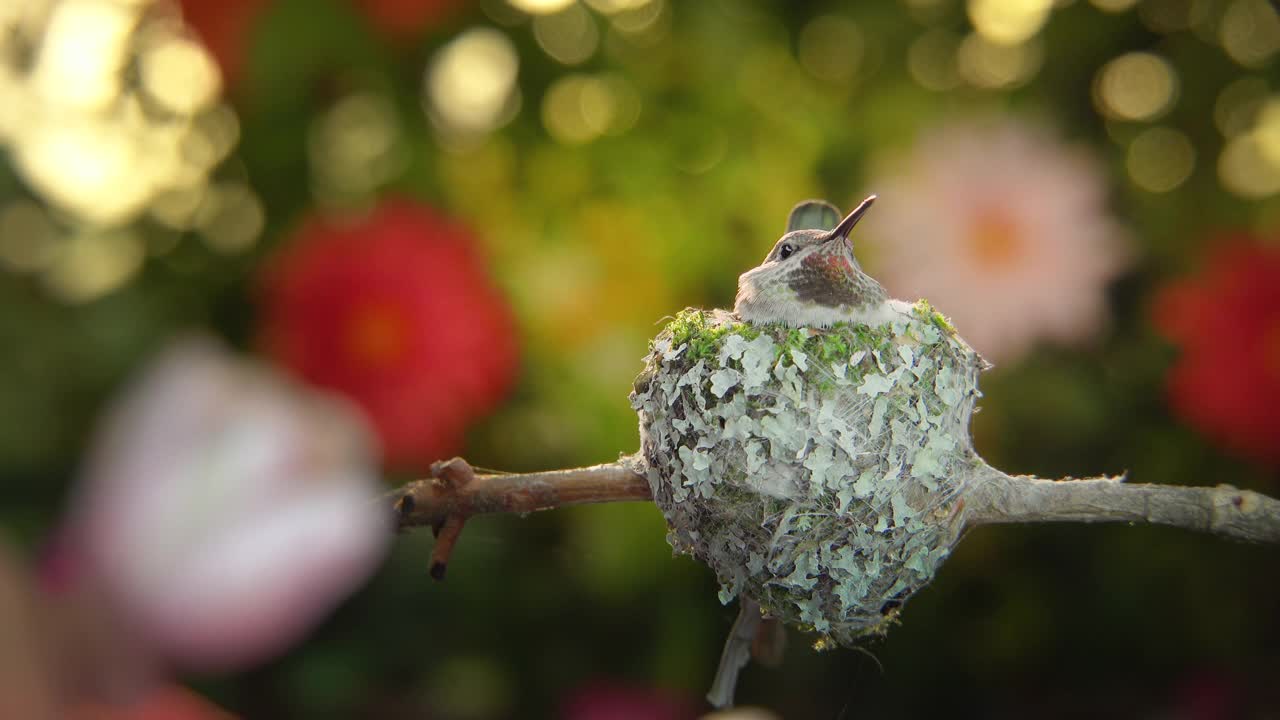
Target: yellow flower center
pixel 995 240
pixel 376 334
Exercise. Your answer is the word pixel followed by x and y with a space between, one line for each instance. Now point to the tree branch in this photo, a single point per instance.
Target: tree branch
pixel 453 492
pixel 996 498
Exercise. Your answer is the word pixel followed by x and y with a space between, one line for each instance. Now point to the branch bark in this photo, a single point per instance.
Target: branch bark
pixel 997 498
pixel 453 492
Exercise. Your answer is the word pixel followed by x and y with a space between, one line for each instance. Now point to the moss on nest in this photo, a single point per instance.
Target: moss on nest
pixel 815 470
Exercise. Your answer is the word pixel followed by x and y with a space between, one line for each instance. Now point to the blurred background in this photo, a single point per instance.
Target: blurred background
pixel 460 222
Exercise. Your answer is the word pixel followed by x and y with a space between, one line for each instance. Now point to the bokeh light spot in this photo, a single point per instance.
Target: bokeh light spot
pixel 108 111
pixel 221 128
pixel 613 7
pixel 1136 86
pixel 569 36
pixel 94 264
pixel 1008 22
pixel 993 65
pixel 86 44
pixel 641 21
pixel 231 218
pixel 503 13
pixel 176 208
pixel 471 82
pixel 1171 16
pixel 564 113
pixel 1250 32
pixel 610 105
pixel 580 108
pixel 931 60
pixel 1238 104
pixel 541 7
pixel 831 48
pixel 597 105
pixel 1267 131
pixel 355 146
pixel 1245 170
pixel 95 171
pixel 1160 159
pixel 180 75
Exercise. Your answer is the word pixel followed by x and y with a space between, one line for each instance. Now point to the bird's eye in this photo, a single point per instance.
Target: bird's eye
pixel 785 251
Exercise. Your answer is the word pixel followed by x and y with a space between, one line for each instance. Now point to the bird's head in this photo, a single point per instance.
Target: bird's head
pixel 810 277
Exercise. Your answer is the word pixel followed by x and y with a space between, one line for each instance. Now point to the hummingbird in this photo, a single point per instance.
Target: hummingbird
pixel 811 446
pixel 811 278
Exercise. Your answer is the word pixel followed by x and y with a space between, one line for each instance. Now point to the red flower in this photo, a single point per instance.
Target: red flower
pixel 1227 323
pixel 224 26
pixel 406 18
pixel 395 311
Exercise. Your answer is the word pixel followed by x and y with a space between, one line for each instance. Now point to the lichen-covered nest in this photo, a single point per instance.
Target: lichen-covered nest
pixel 817 471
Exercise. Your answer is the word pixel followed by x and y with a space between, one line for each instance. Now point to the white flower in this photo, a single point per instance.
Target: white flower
pixel 1002 228
pixel 224 510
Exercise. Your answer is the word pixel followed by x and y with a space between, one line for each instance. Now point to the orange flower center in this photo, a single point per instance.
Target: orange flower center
pixel 995 240
pixel 376 334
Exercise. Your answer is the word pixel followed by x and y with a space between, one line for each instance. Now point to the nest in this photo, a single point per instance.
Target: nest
pixel 818 472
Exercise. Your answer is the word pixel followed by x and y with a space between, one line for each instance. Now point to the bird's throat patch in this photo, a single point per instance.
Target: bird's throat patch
pixel 826 279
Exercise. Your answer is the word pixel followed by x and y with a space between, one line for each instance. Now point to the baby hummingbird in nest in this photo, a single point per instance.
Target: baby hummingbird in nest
pixel 811 279
pixel 812 447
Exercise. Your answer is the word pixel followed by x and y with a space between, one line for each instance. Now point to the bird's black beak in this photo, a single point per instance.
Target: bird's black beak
pixel 846 225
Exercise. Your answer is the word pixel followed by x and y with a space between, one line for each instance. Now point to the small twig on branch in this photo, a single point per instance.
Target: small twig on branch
pixel 996 498
pixel 736 654
pixel 453 492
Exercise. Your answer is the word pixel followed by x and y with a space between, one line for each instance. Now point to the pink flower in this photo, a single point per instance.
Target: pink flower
pixel 1226 322
pixel 397 312
pixel 224 511
pixel 1003 229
